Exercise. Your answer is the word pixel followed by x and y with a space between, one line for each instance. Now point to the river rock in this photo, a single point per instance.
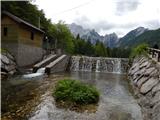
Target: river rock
pixel 147 86
pixel 156 98
pixel 8 63
pixel 156 113
pixel 137 79
pixel 141 81
pixel 149 71
pixel 144 64
pixel 4 59
pixel 156 88
pixel 10 56
pixel 2 65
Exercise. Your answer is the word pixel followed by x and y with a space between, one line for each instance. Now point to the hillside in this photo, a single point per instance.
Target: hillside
pixel 130 36
pixel 150 37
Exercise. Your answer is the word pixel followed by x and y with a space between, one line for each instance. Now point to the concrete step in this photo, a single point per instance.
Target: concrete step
pixel 44 63
pixel 57 65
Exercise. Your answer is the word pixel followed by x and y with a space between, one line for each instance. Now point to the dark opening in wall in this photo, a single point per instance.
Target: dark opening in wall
pixel 32 35
pixel 5 31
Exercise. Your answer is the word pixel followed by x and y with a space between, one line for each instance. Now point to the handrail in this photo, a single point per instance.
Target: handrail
pixel 155 53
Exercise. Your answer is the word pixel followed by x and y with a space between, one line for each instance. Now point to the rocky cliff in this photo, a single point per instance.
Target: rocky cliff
pixel 145 79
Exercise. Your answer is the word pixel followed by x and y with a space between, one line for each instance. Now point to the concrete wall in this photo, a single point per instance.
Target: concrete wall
pixel 145 79
pixel 25 55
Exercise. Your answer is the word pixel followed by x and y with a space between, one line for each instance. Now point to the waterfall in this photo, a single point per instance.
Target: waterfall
pixel 99 64
pixel 41 70
pixel 75 64
pixel 117 66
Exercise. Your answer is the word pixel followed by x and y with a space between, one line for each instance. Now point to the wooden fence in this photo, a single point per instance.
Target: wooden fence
pixel 155 53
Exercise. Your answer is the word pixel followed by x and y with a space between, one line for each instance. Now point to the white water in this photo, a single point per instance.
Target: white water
pixel 39 72
pixel 98 64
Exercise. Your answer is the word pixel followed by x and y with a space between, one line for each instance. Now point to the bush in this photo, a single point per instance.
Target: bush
pixel 76 92
pixel 139 50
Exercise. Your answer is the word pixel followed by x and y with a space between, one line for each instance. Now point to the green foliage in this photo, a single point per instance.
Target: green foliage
pixel 76 92
pixel 100 49
pixel 64 37
pixel 119 52
pixel 139 50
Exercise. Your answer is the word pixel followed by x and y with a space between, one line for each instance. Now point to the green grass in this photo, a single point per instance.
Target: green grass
pixel 76 92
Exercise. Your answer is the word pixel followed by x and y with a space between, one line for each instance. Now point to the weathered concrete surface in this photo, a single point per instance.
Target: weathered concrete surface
pixel 145 79
pixel 44 62
pixel 25 55
pixel 58 65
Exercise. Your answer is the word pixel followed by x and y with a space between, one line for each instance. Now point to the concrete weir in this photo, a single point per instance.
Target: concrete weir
pixel 58 65
pixel 44 63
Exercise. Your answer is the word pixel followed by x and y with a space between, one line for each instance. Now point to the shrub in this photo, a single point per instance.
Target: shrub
pixel 139 50
pixel 76 92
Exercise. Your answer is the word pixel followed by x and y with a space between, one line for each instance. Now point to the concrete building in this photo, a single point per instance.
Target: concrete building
pixel 21 39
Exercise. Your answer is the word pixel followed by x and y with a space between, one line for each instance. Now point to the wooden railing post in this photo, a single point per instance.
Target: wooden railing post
pixel 155 53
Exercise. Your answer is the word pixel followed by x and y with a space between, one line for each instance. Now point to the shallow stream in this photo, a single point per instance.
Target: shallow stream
pixel 116 101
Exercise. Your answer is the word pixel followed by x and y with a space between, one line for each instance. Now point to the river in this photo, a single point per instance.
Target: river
pixel 31 99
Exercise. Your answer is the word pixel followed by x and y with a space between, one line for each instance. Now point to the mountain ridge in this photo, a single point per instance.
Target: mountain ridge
pixel 132 38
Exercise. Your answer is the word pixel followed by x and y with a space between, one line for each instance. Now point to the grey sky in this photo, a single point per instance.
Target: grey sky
pixel 105 16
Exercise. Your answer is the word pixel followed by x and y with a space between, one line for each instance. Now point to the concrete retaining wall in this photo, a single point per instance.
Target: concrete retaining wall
pixel 145 79
pixel 25 55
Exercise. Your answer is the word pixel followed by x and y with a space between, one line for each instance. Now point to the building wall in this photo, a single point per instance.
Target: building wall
pixel 25 36
pixel 18 41
pixel 13 29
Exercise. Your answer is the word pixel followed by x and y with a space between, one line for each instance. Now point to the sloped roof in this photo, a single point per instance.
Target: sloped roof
pixel 19 20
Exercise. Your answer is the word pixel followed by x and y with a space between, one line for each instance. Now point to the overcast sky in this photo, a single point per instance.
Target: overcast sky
pixel 105 16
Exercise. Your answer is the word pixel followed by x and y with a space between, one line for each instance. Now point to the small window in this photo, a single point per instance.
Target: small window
pixel 5 31
pixel 32 36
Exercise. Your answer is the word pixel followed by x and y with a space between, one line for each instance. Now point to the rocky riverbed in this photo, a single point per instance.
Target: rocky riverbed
pixel 20 96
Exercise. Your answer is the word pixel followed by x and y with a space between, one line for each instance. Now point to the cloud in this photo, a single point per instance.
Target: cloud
pixel 125 6
pixel 101 25
pixel 153 24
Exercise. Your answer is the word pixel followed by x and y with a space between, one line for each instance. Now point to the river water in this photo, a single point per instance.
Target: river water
pixel 116 101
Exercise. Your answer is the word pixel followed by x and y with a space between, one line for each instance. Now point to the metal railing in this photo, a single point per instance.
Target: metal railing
pixel 155 53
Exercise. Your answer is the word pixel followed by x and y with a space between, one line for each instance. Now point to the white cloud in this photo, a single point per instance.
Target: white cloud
pixel 105 16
